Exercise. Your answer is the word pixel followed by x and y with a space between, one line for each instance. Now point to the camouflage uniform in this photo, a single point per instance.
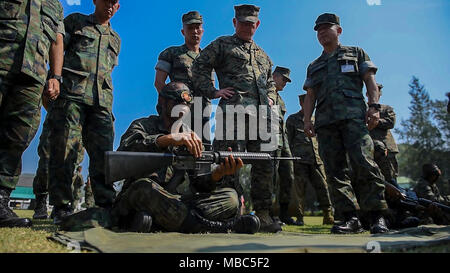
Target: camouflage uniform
pixel 283 170
pixel 245 67
pixel 177 61
pixel 147 194
pixel 341 129
pixel 310 169
pixel 384 142
pixel 430 191
pixel 28 28
pixel 76 189
pixel 88 196
pixel 40 181
pixel 86 99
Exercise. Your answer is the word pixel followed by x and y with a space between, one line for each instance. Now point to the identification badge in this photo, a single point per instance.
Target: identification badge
pixel 346 68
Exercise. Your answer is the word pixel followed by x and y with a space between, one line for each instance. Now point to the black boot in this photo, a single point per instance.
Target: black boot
pixel 195 223
pixel 267 223
pixel 378 224
pixel 7 217
pixel 141 222
pixel 299 221
pixel 61 212
pixel 284 215
pixel 350 225
pixel 40 212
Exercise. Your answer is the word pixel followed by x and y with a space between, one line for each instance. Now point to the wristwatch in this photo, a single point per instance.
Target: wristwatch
pixel 57 77
pixel 375 105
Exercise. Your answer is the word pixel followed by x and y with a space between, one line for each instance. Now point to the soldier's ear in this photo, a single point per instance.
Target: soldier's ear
pixel 234 22
pixel 258 23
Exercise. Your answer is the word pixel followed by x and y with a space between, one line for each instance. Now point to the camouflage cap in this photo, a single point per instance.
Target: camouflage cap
pixel 246 13
pixel 192 17
pixel 177 91
pixel 327 18
pixel 283 71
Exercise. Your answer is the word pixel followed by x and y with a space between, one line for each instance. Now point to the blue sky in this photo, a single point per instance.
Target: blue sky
pixel 402 37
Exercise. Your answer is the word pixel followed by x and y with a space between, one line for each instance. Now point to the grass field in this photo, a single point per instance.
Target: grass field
pixel 34 239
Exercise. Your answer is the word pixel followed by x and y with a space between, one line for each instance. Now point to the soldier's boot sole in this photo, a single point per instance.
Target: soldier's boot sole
pixel 16 222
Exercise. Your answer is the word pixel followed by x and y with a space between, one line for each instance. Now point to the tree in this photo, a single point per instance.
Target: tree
pixel 425 133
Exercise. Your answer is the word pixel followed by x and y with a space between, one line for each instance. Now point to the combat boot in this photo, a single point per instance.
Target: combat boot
pixel 284 215
pixel 40 212
pixel 378 224
pixel 195 223
pixel 267 224
pixel 299 221
pixel 328 218
pixel 141 222
pixel 7 217
pixel 61 212
pixel 350 225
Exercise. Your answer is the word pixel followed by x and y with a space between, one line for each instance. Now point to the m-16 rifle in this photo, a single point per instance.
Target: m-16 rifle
pixel 409 199
pixel 122 165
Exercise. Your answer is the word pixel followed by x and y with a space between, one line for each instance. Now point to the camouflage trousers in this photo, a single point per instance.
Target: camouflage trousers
pixel 283 176
pixel 76 197
pixel 97 134
pixel 20 115
pixel 40 181
pixel 261 183
pixel 388 165
pixel 169 211
pixel 314 174
pixel 88 197
pixel 351 137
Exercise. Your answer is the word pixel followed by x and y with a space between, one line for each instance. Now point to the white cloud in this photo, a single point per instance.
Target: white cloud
pixel 78 2
pixel 374 2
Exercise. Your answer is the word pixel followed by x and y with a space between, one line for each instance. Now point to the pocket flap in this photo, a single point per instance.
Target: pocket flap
pixel 77 72
pixel 85 34
pixel 352 94
pixel 316 67
pixel 50 12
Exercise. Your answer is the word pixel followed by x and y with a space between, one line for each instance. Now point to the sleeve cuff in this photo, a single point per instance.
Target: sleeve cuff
pixel 164 66
pixel 366 66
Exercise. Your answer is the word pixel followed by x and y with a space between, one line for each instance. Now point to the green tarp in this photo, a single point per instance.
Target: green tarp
pixel 103 240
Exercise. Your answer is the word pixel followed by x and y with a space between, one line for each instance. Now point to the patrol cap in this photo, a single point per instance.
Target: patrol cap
pixel 177 91
pixel 192 17
pixel 246 13
pixel 327 18
pixel 283 71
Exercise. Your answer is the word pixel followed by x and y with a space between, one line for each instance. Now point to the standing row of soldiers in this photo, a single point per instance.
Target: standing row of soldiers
pixel 82 113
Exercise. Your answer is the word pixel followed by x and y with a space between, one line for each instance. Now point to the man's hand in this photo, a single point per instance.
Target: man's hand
pixel 270 102
pixel 372 118
pixel 309 129
pixel 192 142
pixel 225 93
pixel 229 167
pixel 52 89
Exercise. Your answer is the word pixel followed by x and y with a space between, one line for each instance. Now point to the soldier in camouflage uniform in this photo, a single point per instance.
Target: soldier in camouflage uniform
pixel 385 147
pixel 77 184
pixel 244 73
pixel 31 36
pixel 426 188
pixel 335 81
pixel 309 170
pixel 92 49
pixel 283 170
pixel 176 62
pixel 207 208
pixel 40 181
pixel 88 195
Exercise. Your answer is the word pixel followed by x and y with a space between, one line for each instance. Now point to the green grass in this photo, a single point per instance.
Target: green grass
pixel 30 240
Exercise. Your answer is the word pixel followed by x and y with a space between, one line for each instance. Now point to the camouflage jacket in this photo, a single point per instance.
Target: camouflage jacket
pixel 141 137
pixel 91 54
pixel 239 64
pixel 301 145
pixel 27 30
pixel 336 80
pixel 382 132
pixel 78 181
pixel 431 192
pixel 282 135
